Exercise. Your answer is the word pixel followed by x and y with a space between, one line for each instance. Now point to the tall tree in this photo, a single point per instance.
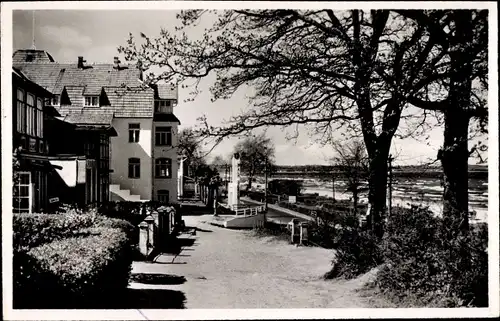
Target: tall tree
pixel 256 152
pixel 325 69
pixel 462 87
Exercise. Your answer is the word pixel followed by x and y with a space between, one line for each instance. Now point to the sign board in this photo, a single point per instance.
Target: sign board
pixel 53 200
pixel 292 199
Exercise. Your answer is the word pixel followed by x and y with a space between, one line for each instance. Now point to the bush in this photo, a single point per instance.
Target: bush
pixel 70 261
pixel 357 252
pixel 429 264
pixel 31 230
pixel 273 229
pixel 130 230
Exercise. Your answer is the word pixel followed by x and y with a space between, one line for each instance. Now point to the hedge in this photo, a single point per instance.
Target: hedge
pixel 31 230
pixel 79 261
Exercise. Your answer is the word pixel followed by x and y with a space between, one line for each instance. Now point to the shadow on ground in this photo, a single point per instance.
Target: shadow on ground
pixel 157 278
pixel 197 229
pixel 124 299
pixel 151 299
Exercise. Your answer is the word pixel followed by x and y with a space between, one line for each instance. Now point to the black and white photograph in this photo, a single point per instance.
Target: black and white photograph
pixel 208 160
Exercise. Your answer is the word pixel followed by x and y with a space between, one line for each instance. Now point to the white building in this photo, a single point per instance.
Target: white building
pixel 143 160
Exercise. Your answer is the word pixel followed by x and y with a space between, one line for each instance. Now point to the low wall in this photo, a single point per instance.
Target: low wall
pixel 156 229
pixel 245 222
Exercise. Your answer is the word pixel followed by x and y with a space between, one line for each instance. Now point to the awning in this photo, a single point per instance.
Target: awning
pixel 92 122
pixel 38 161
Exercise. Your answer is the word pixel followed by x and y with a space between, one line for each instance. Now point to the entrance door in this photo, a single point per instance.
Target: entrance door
pixel 88 186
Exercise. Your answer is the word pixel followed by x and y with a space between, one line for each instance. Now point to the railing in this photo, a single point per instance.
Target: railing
pixel 247 211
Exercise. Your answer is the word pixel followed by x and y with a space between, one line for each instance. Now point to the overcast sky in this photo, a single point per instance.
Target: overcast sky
pixel 95 35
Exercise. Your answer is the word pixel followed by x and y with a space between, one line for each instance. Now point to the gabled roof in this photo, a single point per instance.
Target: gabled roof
pixel 31 55
pixel 127 96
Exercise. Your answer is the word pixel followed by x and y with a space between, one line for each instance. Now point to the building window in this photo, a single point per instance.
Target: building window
pixel 163 106
pixel 88 149
pixel 31 114
pixel 92 101
pixel 163 196
pixel 21 112
pixel 40 190
pixel 22 197
pixel 133 133
pixel 39 118
pixel 163 168
pixel 55 100
pixel 163 136
pixel 134 168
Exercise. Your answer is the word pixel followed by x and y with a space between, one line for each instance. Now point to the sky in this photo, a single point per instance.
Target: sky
pixel 96 34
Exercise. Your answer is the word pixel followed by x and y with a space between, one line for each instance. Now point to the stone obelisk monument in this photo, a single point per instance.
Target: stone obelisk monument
pixel 233 188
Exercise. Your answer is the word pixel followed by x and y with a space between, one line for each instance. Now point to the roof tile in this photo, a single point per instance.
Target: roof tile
pixel 89 119
pixel 126 94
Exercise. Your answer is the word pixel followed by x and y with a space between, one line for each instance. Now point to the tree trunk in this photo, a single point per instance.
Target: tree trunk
pixel 377 182
pixel 355 199
pixel 454 159
pixel 455 154
pixel 249 185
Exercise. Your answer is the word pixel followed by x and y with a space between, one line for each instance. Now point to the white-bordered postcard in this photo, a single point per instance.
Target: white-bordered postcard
pixel 249 160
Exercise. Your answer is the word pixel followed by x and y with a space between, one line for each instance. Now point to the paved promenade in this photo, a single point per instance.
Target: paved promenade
pixel 279 214
pixel 222 268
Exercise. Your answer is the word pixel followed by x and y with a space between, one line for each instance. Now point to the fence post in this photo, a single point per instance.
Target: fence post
pixel 143 238
pixel 303 232
pixel 389 210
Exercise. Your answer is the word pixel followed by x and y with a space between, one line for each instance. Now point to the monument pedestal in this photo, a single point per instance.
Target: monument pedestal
pixel 232 196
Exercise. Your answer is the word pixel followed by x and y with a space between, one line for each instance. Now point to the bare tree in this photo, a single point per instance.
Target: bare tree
pixel 190 147
pixel 462 85
pixel 353 163
pixel 256 152
pixel 328 70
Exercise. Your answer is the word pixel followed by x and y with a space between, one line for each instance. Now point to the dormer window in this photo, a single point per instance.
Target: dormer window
pixel 163 106
pixel 55 100
pixel 92 101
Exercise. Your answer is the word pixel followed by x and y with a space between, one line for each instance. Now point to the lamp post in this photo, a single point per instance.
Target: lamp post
pixel 265 187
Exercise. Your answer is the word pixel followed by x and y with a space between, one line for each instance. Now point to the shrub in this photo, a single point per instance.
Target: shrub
pixel 130 230
pixel 427 263
pixel 277 230
pixel 74 271
pixel 31 230
pixel 322 235
pixel 60 259
pixel 357 252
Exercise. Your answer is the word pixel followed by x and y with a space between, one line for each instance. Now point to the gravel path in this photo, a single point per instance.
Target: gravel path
pixel 235 269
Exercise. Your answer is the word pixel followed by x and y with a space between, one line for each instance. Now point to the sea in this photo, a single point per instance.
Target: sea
pixel 405 192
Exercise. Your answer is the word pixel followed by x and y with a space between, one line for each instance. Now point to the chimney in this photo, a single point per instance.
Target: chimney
pixel 80 62
pixel 139 66
pixel 116 63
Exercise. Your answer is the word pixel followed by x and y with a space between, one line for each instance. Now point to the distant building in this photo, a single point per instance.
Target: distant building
pixel 143 153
